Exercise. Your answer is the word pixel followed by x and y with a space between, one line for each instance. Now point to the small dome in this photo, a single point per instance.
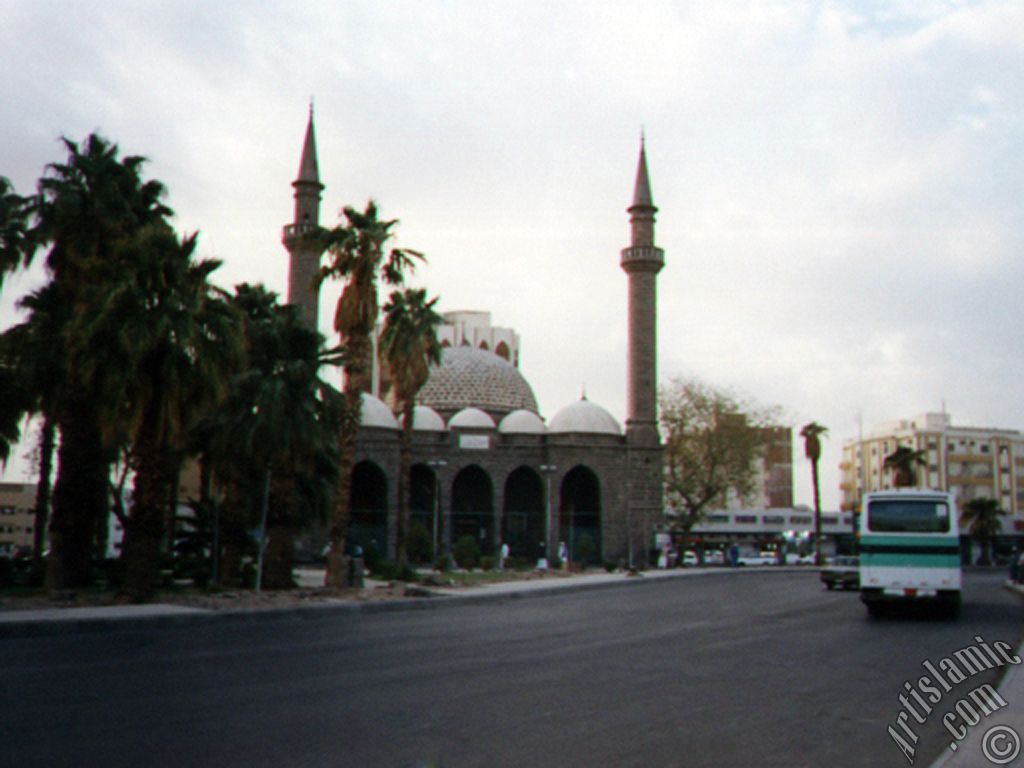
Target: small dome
pixel 584 416
pixel 377 414
pixel 474 377
pixel 522 422
pixel 426 419
pixel 471 418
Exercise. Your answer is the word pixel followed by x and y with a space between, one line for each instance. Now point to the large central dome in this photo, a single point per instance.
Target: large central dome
pixel 469 377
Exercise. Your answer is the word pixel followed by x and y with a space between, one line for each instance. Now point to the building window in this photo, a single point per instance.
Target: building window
pixel 746 519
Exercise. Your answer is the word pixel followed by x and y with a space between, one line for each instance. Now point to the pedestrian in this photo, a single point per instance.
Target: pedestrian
pixel 503 557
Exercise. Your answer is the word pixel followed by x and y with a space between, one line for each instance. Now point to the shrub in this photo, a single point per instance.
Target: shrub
pixel 443 564
pixel 609 566
pixel 487 563
pixel 466 552
pixel 418 544
pixel 388 570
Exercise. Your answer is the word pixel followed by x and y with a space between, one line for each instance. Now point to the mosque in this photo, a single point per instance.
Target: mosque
pixel 486 463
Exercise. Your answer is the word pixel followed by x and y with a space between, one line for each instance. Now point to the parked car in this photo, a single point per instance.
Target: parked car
pixel 714 557
pixel 843 572
pixel 690 558
pixel 757 558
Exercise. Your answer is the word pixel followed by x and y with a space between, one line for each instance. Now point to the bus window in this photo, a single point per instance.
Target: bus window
pixel 907 516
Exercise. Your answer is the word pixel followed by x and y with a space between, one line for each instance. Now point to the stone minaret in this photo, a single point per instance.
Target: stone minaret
pixel 642 261
pixel 299 237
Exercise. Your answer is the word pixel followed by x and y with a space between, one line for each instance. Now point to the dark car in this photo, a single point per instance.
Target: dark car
pixel 842 572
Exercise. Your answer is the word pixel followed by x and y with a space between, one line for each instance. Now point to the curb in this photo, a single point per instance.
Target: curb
pixel 434 598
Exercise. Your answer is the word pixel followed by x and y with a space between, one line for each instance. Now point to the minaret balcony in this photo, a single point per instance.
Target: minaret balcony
pixel 293 232
pixel 643 257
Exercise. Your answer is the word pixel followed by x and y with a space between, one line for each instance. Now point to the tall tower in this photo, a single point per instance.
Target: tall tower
pixel 642 261
pixel 300 238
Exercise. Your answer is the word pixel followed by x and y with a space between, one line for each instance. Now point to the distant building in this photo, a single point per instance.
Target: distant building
pixel 773 483
pixel 17 517
pixel 971 462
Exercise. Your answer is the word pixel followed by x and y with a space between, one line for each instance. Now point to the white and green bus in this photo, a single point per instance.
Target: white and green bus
pixel 909 548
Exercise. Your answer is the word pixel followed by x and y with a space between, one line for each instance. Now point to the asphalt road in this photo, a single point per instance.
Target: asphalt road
pixel 734 669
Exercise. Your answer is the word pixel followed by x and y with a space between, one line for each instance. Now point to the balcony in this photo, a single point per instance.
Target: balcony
pixel 295 231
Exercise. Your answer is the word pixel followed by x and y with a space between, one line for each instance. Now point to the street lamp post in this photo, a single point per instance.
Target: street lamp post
pixel 548 470
pixel 436 465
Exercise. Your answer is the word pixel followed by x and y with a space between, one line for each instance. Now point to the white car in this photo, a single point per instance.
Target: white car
pixel 690 558
pixel 757 558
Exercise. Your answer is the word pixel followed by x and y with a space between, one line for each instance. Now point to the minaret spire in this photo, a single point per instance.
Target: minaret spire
pixel 309 171
pixel 642 187
pixel 299 237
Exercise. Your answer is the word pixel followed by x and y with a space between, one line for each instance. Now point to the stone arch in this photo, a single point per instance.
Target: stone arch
pixel 524 515
pixel 503 351
pixel 483 346
pixel 580 513
pixel 423 498
pixel 473 507
pixel 445 344
pixel 369 505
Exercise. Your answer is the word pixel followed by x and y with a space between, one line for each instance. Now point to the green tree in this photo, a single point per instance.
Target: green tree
pixel 358 254
pixel 812 433
pixel 158 348
pixel 86 211
pixel 903 463
pixel 981 516
pixel 28 353
pixel 712 441
pixel 15 240
pixel 408 345
pixel 281 421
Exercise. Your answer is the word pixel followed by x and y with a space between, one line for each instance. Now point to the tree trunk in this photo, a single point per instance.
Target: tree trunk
pixel 818 558
pixel 47 440
pixel 79 499
pixel 337 563
pixel 277 564
pixel 404 478
pixel 144 536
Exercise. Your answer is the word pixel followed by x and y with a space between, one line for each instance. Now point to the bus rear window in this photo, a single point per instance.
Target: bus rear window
pixel 905 516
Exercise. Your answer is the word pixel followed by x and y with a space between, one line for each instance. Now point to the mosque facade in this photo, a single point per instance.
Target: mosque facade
pixel 485 462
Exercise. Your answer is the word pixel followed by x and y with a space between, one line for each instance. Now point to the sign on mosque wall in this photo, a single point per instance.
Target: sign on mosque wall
pixel 474 442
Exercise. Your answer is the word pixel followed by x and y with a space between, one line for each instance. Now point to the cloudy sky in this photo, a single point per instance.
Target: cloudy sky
pixel 839 182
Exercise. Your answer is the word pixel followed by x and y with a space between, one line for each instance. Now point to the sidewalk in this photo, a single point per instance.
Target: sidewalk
pixel 997 739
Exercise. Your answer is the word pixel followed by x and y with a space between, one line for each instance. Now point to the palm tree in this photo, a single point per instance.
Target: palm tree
pixel 28 349
pixel 15 242
pixel 982 518
pixel 158 348
pixel 281 421
pixel 408 345
pixel 357 253
pixel 811 433
pixel 903 463
pixel 85 211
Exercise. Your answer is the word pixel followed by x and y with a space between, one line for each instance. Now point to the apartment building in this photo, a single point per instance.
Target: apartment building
pixel 971 462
